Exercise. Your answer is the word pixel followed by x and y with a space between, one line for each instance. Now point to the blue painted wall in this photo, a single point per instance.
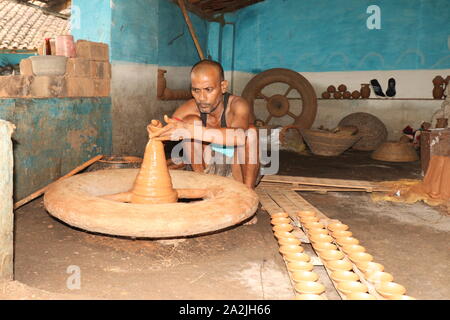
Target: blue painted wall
pixel 53 136
pixel 12 58
pixel 327 35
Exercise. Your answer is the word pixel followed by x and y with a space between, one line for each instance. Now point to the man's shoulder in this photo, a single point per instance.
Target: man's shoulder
pixel 239 103
pixel 187 108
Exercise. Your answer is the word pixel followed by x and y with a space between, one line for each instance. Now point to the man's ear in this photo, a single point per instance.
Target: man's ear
pixel 224 86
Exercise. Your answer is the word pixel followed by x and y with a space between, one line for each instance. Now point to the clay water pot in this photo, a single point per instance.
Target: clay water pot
pixel 284 235
pixel 331 89
pixel 283 227
pixel 297 257
pixel 291 248
pixel 303 275
pixel 438 80
pixel 289 241
pixel 388 289
pixel 438 92
pixel 316 231
pixel 308 296
pixel 341 233
pixel 379 276
pixel 310 287
pixel 335 265
pixel 306 213
pixel 365 90
pixel 346 240
pixel 347 287
pixel 279 215
pixel 321 238
pixel 340 275
pixel 342 88
pixel 321 246
pixel 352 248
pixel 360 296
pixel 299 266
pixel 329 255
pixel 313 225
pixel 276 221
pixel 326 95
pixel 356 94
pixel 337 95
pixel 369 266
pixel 308 219
pixel 360 257
pixel 335 226
pixel 441 123
pixel 347 95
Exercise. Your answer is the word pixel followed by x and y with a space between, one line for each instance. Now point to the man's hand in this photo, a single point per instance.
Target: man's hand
pixel 168 132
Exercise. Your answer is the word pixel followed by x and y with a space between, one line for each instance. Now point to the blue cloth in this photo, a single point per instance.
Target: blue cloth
pixel 228 151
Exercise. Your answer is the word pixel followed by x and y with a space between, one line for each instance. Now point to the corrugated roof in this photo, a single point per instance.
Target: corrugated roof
pixel 25 28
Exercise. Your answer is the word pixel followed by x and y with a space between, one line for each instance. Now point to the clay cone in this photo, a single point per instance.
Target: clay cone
pixel 153 183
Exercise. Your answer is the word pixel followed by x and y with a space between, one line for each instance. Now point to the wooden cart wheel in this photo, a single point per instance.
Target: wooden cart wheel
pixel 278 105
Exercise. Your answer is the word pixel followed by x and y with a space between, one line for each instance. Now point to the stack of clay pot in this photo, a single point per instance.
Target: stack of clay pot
pixel 297 261
pixel 439 86
pixel 342 93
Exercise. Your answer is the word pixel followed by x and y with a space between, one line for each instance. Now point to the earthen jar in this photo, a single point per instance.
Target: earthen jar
pixel 438 92
pixel 342 88
pixel 347 95
pixel 441 123
pixel 347 287
pixel 297 257
pixel 337 95
pixel 331 89
pixel 309 287
pixel 356 94
pixel 326 95
pixel 365 90
pixel 438 80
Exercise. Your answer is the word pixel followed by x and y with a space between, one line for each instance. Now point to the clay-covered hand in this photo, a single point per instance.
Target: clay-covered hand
pixel 153 126
pixel 174 130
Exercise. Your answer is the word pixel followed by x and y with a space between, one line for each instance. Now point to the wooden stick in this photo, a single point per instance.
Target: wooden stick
pixel 191 28
pixel 42 190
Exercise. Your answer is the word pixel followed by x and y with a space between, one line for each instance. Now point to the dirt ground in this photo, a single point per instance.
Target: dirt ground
pixel 411 240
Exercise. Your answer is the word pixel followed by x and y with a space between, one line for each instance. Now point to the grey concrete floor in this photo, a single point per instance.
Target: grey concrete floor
pixel 411 240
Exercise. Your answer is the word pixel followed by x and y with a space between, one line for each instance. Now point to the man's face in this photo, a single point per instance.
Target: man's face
pixel 207 89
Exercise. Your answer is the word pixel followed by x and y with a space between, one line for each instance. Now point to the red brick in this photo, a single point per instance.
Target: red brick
pixel 26 69
pixel 101 70
pixel 102 87
pixel 96 51
pixel 79 87
pixel 47 86
pixel 78 67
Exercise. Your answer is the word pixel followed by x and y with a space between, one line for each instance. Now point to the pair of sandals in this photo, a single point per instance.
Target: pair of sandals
pixel 390 92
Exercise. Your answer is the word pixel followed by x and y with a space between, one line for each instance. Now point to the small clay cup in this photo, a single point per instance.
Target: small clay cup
pixel 347 95
pixel 310 287
pixel 289 241
pixel 321 246
pixel 335 226
pixel 339 265
pixel 341 233
pixel 303 275
pixel 379 276
pixel 360 257
pixel 308 296
pixel 304 220
pixel 312 225
pixel 331 89
pixel 340 275
pixel 326 95
pixel 356 94
pixel 296 256
pixel 346 240
pixel 360 296
pixel 337 95
pixel 306 213
pixel 291 248
pixel 315 231
pixel 388 289
pixel 347 287
pixel 299 266
pixel 352 248
pixel 369 267
pixel 281 220
pixel 342 88
pixel 284 234
pixel 279 215
pixel 329 255
pixel 320 238
pixel 283 227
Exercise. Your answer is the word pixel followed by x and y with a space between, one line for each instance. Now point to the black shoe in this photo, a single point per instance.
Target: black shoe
pixel 377 88
pixel 390 92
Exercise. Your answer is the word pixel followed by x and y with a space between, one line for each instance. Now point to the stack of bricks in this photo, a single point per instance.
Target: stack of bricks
pixel 87 75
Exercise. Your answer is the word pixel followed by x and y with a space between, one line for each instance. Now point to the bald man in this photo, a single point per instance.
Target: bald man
pixel 225 141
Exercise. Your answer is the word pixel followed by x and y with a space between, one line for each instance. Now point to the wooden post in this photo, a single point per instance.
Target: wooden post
pixel 6 201
pixel 191 28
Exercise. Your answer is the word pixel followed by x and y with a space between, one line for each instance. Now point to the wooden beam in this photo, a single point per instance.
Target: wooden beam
pixel 191 28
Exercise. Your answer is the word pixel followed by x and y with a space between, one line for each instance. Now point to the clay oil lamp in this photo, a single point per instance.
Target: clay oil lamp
pixel 400 297
pixel 308 296
pixel 284 234
pixel 279 215
pixel 283 227
pixel 289 241
pixel 315 231
pixel 341 233
pixel 313 225
pixel 360 257
pixel 282 220
pixel 299 266
pixel 369 267
pixel 291 249
pixel 321 238
pixel 310 287
pixel 379 276
pixel 297 256
pixel 344 275
pixel 321 246
pixel 335 226
pixel 335 265
pixel 347 287
pixel 304 275
pixel 308 219
pixel 388 289
pixel 347 240
pixel 329 255
pixel 352 248
pixel 360 296
pixel 306 213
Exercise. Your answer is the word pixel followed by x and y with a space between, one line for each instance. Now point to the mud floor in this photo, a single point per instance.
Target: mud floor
pixel 411 240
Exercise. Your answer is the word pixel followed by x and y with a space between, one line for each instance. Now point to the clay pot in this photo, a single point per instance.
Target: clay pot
pixel 347 287
pixel 308 296
pixel 283 227
pixel 438 80
pixel 284 235
pixel 365 90
pixel 341 233
pixel 291 248
pixel 310 287
pixel 297 257
pixel 441 123
pixel 340 276
pixel 306 213
pixel 360 296
pixel 329 255
pixel 379 276
pixel 342 88
pixel 438 92
pixel 289 241
pixel 356 94
pixel 346 240
pixel 369 267
pixel 326 95
pixel 304 275
pixel 342 265
pixel 388 289
pixel 315 231
pixel 320 238
pixel 276 221
pixel 337 95
pixel 360 257
pixel 299 266
pixel 335 226
pixel 308 219
pixel 347 95
pixel 322 246
pixel 353 248
pixel 279 215
pixel 331 89
pixel 313 225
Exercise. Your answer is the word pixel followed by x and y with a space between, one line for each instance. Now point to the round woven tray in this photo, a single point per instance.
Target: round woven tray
pixel 394 151
pixel 372 130
pixel 326 143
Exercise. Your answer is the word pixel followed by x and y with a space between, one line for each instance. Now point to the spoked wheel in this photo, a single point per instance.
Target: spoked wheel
pixel 279 105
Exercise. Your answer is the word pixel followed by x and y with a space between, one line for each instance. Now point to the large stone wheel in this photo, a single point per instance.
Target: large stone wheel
pixel 278 105
pixel 81 202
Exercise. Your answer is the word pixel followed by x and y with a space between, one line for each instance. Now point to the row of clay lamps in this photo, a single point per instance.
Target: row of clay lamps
pixel 297 261
pixel 335 246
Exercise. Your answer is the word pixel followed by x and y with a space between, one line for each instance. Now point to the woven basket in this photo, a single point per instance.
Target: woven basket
pixel 394 151
pixel 326 143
